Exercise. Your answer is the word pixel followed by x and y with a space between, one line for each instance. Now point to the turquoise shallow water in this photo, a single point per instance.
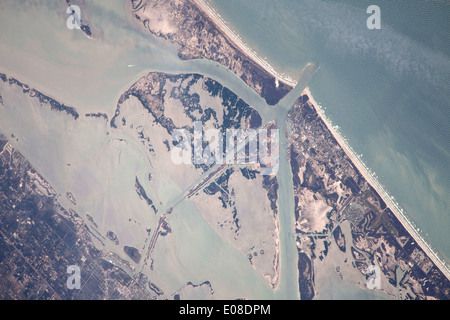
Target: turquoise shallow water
pixel 386 89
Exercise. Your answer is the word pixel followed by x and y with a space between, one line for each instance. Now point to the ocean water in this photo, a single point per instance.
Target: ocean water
pixel 91 75
pixel 387 89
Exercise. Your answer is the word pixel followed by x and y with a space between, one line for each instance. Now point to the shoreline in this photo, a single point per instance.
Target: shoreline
pixel 368 175
pixel 236 39
pixel 363 169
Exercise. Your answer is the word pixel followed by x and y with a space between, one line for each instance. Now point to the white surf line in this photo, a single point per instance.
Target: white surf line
pixel 398 212
pixel 221 23
pixel 372 179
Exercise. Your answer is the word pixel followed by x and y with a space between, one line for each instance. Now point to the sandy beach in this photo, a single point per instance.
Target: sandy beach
pixel 398 212
pixel 241 45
